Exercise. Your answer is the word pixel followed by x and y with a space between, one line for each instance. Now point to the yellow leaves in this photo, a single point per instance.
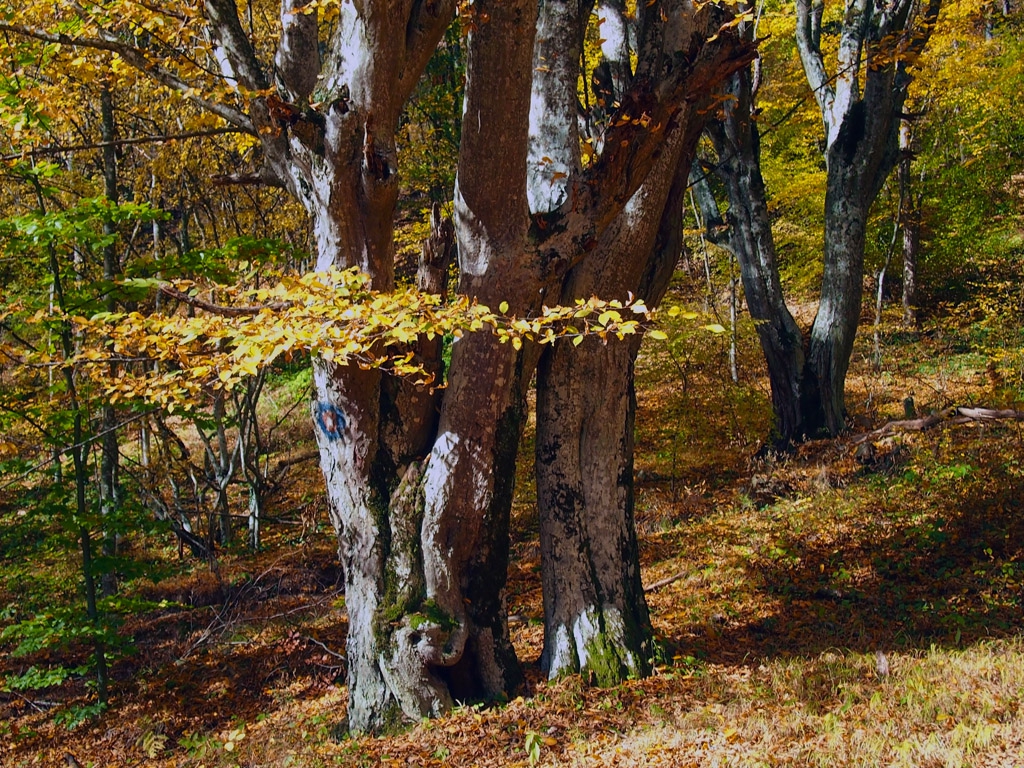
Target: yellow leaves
pixel 234 332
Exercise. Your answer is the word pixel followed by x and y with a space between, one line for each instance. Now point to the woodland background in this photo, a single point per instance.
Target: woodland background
pixel 856 601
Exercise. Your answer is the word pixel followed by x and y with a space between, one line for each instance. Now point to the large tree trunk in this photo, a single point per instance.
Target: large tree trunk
pixel 595 616
pixel 420 500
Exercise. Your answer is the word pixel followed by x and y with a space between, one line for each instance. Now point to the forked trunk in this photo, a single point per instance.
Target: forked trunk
pixel 596 620
pixel 421 486
pixel 860 108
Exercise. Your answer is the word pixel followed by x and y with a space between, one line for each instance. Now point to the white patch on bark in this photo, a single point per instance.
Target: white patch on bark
pixel 563 652
pixel 474 251
pixel 353 54
pixel 437 490
pixel 584 630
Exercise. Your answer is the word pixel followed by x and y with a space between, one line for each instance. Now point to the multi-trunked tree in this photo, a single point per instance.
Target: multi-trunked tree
pixel 419 481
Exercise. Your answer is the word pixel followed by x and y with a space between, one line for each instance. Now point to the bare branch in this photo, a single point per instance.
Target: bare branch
pixel 108 41
pixel 235 45
pixel 808 43
pixel 56 150
pixel 298 52
pixel 960 415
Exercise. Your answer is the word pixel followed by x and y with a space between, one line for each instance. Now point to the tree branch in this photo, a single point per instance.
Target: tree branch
pixel 962 415
pixel 52 150
pixel 808 39
pixel 298 53
pixel 108 41
pixel 636 136
pixel 220 309
pixel 235 45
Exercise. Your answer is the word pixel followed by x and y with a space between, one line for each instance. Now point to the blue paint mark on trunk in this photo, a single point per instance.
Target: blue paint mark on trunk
pixel 330 419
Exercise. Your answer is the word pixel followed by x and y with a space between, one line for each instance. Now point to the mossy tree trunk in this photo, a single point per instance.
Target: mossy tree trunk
pixel 596 617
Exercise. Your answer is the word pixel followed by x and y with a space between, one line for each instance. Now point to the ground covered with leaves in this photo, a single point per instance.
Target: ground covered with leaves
pixel 839 606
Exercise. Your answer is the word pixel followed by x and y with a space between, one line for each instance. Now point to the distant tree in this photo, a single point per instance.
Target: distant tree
pixel 861 103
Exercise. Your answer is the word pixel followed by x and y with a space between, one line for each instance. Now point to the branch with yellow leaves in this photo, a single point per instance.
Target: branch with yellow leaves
pixel 331 314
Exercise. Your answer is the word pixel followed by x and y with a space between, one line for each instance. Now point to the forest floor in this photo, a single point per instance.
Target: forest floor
pixel 821 608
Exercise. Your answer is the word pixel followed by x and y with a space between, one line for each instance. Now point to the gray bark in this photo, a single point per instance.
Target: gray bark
pixel 910 219
pixel 860 108
pixel 596 618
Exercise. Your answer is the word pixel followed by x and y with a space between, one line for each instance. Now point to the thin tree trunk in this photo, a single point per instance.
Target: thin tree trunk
pixel 910 216
pixel 110 493
pixel 80 464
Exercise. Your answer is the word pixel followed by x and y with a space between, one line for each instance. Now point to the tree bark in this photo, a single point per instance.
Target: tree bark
pixel 596 617
pixel 749 238
pixel 910 218
pixel 110 487
pixel 860 108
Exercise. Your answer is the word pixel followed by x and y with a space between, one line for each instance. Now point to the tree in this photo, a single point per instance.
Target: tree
pixel 860 104
pixel 419 484
pixel 596 618
pixel 746 233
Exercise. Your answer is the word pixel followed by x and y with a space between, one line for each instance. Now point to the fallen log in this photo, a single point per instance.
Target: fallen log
pixel 955 415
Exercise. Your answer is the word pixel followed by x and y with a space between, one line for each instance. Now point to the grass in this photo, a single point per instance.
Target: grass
pixel 817 611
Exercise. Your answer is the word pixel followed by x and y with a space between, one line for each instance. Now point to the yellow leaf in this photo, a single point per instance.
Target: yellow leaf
pixel 517 343
pixel 503 307
pixel 659 335
pixel 715 328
